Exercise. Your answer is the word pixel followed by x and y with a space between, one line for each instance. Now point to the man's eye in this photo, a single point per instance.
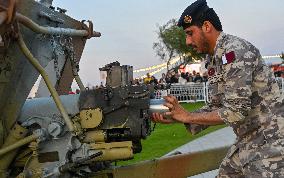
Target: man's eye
pixel 189 33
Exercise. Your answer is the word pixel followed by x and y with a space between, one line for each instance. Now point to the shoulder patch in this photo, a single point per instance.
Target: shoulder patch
pixel 228 58
pixel 211 71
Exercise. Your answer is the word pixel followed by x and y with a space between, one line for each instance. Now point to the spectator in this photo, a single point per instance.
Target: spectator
pixel 182 79
pixel 174 77
pixel 168 77
pixel 163 78
pixel 197 78
pixel 102 85
pixel 190 78
pixel 205 77
pixel 147 79
pixel 193 74
pixel 153 80
pixel 136 81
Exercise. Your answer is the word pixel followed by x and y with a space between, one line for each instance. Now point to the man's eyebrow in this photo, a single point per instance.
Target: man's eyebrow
pixel 188 32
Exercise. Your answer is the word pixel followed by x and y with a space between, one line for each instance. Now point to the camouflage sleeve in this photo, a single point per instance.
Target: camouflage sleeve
pixel 237 83
pixel 196 128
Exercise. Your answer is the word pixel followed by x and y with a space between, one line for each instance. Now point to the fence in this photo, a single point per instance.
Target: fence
pixel 189 92
pixel 194 92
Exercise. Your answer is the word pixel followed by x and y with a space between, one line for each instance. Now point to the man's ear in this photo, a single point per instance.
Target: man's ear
pixel 207 26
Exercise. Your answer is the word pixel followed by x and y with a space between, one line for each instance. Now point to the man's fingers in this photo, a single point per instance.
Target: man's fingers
pixel 169 105
pixel 159 118
pixel 155 117
pixel 170 99
pixel 165 120
pixel 167 113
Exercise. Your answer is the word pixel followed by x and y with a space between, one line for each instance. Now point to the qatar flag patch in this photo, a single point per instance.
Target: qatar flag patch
pixel 228 57
pixel 211 71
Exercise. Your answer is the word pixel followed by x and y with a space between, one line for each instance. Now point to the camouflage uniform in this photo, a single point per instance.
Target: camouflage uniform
pixel 247 98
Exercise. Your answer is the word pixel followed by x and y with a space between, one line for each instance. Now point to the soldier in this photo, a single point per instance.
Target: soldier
pixel 245 96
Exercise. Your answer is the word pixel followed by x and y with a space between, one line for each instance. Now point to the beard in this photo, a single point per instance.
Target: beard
pixel 204 44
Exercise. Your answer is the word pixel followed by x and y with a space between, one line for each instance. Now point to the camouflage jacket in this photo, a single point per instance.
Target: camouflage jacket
pixel 244 92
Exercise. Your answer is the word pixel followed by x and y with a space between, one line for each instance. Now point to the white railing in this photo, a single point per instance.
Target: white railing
pixel 189 92
pixel 194 92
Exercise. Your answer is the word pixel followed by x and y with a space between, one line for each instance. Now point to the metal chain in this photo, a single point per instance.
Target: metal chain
pixel 71 54
pixel 57 43
pixel 55 58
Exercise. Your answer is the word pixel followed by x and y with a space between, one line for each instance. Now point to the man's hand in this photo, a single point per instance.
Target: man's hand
pixel 161 118
pixel 176 114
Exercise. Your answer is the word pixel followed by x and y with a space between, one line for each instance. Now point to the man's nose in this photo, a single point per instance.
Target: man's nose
pixel 188 41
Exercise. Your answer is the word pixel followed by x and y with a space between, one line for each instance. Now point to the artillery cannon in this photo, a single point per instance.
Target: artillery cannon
pixel 65 135
pixel 68 135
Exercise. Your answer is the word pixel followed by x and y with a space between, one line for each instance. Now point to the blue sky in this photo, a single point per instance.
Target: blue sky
pixel 129 28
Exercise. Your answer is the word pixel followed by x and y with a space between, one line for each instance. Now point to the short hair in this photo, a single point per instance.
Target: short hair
pixel 211 16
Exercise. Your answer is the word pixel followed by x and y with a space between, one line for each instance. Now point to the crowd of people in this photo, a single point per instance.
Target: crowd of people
pixel 174 77
pixel 165 80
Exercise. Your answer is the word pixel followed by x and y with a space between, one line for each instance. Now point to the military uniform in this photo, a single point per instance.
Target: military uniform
pixel 247 97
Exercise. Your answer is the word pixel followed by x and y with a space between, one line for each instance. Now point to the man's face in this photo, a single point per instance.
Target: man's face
pixel 195 38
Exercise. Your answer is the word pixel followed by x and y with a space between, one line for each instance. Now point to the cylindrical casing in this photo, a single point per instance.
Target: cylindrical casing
pixel 157 106
pixel 94 136
pixel 113 151
pixel 115 154
pixel 16 133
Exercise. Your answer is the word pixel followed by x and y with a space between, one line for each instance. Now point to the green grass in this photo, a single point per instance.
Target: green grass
pixel 168 137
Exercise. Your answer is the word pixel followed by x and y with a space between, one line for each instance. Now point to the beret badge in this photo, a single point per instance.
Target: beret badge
pixel 187 19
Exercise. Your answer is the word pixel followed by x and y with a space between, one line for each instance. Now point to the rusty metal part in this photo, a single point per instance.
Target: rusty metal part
pixel 90 29
pixel 53 30
pixel 178 166
pixel 11 11
pixel 75 66
pixel 52 90
pixel 7 12
pixel 3 17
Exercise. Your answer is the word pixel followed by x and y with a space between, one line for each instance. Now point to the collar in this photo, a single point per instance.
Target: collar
pixel 218 50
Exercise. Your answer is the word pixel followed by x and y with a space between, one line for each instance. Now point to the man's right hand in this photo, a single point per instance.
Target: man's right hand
pixel 176 114
pixel 161 118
